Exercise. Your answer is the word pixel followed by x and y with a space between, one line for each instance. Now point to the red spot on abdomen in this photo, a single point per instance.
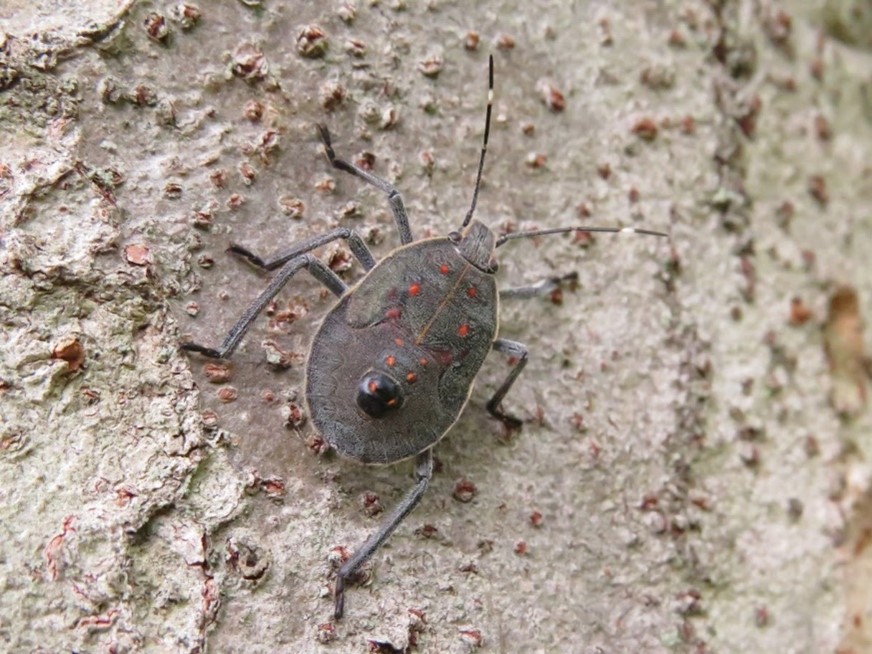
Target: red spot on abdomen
pixel 415 289
pixel 463 330
pixel 393 313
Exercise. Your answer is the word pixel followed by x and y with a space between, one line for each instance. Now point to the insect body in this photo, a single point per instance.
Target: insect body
pixel 411 336
pixel 392 364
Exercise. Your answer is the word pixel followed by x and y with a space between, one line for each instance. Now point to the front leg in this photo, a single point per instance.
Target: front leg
pixel 546 286
pixel 394 197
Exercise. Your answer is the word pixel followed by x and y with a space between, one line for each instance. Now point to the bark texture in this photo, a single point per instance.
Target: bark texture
pixel 692 473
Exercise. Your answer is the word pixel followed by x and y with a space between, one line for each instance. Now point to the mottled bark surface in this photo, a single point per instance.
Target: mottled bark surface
pixel 691 474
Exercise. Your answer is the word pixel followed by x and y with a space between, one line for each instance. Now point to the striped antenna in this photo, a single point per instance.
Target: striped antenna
pixel 487 120
pixel 565 230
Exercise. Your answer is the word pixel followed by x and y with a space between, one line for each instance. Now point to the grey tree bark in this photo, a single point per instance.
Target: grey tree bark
pixel 692 471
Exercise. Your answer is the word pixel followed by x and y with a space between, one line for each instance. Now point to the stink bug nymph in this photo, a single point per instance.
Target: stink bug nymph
pixel 393 362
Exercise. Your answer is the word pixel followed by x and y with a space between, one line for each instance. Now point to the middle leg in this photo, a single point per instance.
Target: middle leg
pixel 316 268
pixel 355 242
pixel 517 351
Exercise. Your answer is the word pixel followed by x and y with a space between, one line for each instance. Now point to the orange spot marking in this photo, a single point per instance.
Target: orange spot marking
pixel 471 291
pixel 463 330
pixel 422 361
pixel 411 378
pixel 415 289
pixel 372 386
pixel 393 313
pixel 392 401
pixel 399 342
pixel 444 269
pixel 391 360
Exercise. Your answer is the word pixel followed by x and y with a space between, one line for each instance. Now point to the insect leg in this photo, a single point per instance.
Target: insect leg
pixel 423 473
pixel 316 268
pixel 394 197
pixel 517 351
pixel 355 242
pixel 544 287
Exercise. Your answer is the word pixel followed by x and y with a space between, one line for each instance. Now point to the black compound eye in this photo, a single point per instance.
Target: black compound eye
pixel 378 394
